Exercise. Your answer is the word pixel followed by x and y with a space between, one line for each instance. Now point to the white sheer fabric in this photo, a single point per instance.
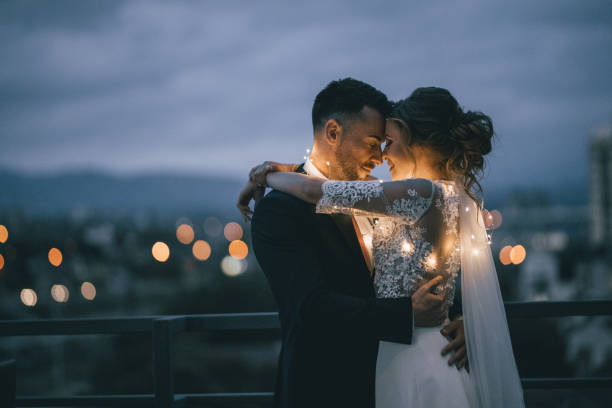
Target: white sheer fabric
pixel 420 234
pixel 486 330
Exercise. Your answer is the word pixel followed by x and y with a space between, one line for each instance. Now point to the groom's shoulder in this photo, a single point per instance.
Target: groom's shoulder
pixel 281 202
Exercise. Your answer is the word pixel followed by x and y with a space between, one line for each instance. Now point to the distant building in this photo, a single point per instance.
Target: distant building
pixel 600 195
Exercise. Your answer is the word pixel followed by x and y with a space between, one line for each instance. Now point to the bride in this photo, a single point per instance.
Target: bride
pixel 428 224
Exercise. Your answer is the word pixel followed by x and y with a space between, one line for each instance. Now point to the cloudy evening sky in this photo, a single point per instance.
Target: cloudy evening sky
pixel 213 88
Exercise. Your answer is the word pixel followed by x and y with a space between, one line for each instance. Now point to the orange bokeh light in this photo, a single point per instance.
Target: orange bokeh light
pixel 3 234
pixel 518 254
pixel 504 255
pixel 1 262
pixel 238 249
pixel 232 231
pixel 185 234
pixel 55 257
pixel 201 250
pixel 160 251
pixel 88 290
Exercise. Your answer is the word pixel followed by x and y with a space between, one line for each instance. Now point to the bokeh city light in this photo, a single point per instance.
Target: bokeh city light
pixel 160 251
pixel 232 231
pixel 504 255
pixel 185 234
pixel 233 267
pixel 3 234
pixel 55 257
pixel 213 227
pixel 28 297
pixel 518 254
pixel 88 290
pixel 201 250
pixel 60 293
pixel 238 249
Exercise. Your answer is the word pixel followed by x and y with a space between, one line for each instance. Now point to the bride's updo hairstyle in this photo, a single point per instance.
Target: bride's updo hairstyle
pixel 461 138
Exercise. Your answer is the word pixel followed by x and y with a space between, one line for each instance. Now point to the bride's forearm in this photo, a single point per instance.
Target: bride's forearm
pixel 304 187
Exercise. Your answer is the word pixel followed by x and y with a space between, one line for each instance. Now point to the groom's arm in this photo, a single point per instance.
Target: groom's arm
pixel 283 250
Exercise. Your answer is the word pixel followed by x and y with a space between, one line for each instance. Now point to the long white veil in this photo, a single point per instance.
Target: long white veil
pixel 492 365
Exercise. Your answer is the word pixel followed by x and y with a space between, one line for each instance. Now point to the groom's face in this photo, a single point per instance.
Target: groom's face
pixel 358 150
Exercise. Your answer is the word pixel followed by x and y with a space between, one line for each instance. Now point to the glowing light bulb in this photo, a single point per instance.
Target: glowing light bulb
pixel 467 209
pixel 305 157
pixel 406 246
pixel 327 163
pixel 473 236
pixel 307 150
pixel 431 261
pixel 475 251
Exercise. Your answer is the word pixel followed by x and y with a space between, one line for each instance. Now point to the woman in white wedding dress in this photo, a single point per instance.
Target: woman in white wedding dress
pixel 428 224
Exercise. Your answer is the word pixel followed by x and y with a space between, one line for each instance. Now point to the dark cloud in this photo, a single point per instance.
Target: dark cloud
pixel 213 88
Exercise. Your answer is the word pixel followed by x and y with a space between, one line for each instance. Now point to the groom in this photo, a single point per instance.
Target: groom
pixel 319 266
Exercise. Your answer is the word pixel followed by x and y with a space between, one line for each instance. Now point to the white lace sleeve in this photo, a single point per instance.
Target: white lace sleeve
pixel 408 198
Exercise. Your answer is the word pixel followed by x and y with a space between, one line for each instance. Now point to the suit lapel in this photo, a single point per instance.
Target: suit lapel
pixel 345 225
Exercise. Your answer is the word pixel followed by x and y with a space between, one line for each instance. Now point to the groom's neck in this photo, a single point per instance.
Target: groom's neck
pixel 321 160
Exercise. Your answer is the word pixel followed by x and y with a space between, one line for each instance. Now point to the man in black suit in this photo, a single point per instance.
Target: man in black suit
pixel 318 268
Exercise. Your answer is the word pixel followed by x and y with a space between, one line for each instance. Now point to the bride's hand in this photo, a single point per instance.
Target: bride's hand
pixel 258 173
pixel 250 191
pixel 255 188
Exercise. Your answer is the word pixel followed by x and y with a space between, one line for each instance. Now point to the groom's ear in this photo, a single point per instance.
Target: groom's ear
pixel 332 131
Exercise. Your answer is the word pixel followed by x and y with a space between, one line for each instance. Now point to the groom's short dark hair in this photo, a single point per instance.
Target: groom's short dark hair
pixel 344 99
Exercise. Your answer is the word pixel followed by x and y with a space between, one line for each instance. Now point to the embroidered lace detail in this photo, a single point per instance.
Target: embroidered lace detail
pixel 411 208
pixel 342 196
pixel 413 240
pixel 350 197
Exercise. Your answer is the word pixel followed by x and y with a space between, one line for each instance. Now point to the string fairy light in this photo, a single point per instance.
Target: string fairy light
pixel 431 261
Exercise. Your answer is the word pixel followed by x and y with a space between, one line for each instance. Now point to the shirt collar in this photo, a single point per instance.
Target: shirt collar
pixel 312 170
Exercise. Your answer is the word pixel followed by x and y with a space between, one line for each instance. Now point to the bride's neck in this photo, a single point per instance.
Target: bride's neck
pixel 427 171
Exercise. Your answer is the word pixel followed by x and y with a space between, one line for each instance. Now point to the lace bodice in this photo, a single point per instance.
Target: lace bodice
pixel 415 236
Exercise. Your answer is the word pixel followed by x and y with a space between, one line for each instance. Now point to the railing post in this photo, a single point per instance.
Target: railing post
pixel 163 333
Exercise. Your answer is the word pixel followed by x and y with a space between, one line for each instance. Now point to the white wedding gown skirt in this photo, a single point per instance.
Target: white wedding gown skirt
pixel 416 375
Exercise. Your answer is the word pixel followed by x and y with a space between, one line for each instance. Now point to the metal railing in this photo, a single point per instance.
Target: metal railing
pixel 164 328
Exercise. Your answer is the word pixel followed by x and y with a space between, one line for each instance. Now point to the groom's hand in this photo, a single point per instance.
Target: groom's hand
pixel 455 333
pixel 429 309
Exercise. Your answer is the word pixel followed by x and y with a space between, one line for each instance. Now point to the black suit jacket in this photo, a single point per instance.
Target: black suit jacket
pixel 331 321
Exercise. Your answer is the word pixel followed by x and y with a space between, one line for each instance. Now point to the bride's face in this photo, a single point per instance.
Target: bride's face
pixel 399 156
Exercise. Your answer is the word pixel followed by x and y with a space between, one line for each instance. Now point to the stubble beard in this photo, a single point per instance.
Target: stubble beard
pixel 344 167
